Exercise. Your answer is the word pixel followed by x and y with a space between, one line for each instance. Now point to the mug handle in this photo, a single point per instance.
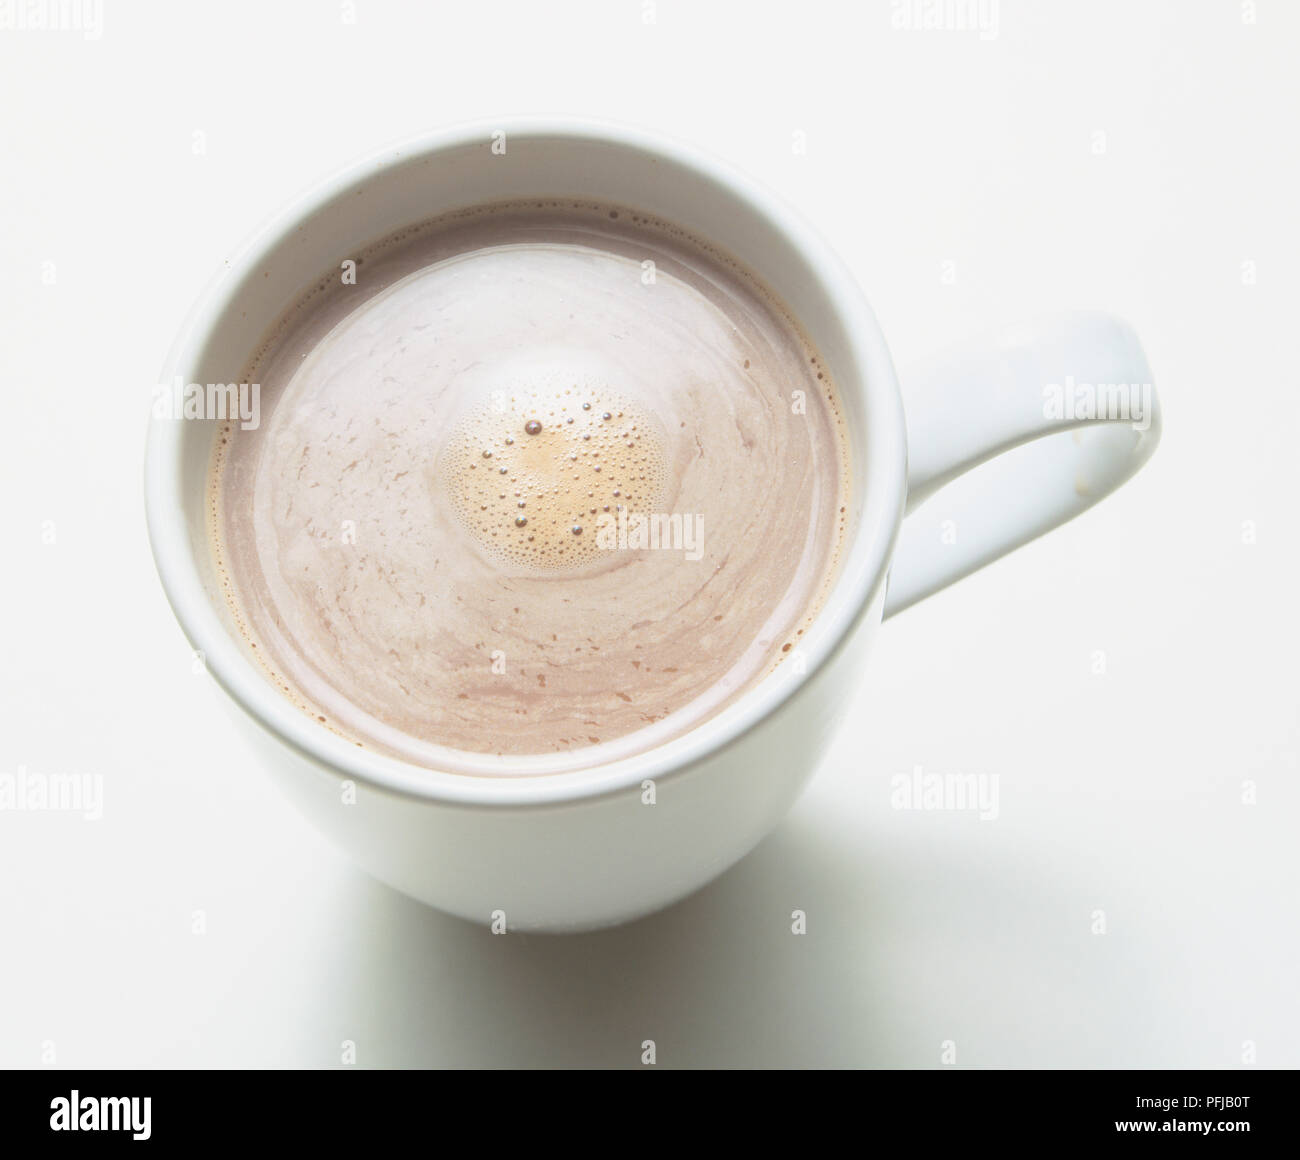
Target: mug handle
pixel 1010 438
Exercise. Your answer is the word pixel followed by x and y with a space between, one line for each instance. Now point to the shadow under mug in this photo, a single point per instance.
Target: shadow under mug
pixel 1022 433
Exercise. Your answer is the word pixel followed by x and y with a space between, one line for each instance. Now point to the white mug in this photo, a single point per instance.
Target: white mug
pixel 1064 410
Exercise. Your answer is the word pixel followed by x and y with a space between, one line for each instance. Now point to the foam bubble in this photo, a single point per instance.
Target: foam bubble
pixel 557 461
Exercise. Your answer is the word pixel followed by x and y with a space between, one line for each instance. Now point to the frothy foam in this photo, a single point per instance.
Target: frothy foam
pixel 445 535
pixel 532 473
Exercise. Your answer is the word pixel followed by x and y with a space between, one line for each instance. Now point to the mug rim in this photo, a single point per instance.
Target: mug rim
pixel 879 487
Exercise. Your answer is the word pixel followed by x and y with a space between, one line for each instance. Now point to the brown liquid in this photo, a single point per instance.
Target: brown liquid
pixel 517 491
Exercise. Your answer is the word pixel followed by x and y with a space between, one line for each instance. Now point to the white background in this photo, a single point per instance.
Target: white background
pixel 1120 792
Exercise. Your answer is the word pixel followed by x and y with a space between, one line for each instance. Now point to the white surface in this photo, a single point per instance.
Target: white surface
pixel 1120 793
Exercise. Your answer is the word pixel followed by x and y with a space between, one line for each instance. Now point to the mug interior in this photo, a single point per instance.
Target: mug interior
pixel 452 170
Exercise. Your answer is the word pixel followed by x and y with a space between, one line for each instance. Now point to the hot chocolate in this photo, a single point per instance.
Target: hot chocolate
pixel 531 478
